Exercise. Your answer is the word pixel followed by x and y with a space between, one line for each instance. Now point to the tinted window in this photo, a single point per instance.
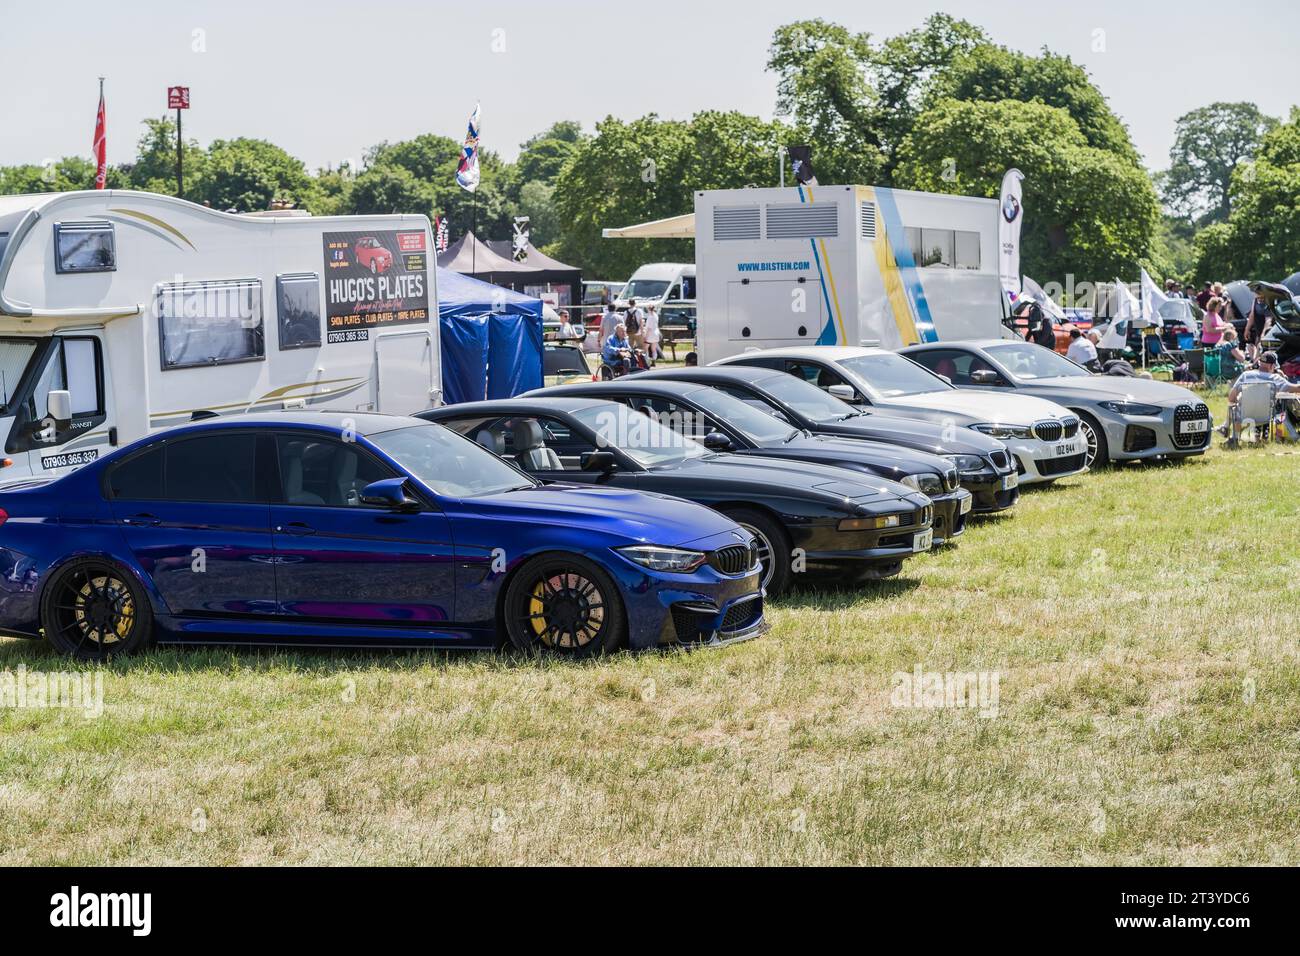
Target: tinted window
pixel 84 247
pixel 212 468
pixel 139 478
pixel 299 302
pixel 325 472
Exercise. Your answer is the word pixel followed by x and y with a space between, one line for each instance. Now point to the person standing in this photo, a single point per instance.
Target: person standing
pixel 567 331
pixel 1214 324
pixel 651 332
pixel 1256 325
pixel 1203 297
pixel 608 322
pixel 635 325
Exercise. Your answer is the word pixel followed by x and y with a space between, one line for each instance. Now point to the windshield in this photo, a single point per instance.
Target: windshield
pixel 887 375
pixel 450 465
pixel 756 425
pixel 1034 361
pixel 807 399
pixel 645 289
pixel 15 356
pixel 642 439
pixel 560 360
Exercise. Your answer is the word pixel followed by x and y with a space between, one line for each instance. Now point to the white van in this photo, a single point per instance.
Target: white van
pixel 669 287
pixel 123 312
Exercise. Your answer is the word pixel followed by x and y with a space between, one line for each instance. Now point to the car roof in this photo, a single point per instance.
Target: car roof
pixel 363 423
pixel 526 404
pixel 831 353
pixel 710 373
pixel 674 388
pixel 967 343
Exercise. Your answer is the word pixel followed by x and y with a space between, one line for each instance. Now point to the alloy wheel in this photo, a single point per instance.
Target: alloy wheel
pixel 94 609
pixel 565 610
pixel 765 552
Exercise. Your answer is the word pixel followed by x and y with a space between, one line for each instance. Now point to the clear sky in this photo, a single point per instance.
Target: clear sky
pixel 327 79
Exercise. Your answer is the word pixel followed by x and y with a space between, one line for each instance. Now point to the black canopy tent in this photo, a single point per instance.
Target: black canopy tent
pixel 558 276
pixel 471 257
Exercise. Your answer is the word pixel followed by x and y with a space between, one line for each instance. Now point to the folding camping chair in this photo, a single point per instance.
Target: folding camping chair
pixel 1255 406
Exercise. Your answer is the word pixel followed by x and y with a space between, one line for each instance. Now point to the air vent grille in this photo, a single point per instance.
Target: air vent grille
pixel 804 221
pixel 735 222
pixel 868 220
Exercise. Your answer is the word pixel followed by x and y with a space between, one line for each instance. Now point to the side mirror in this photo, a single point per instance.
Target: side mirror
pixel 59 404
pixel 845 392
pixel 717 441
pixel 602 461
pixel 984 376
pixel 389 493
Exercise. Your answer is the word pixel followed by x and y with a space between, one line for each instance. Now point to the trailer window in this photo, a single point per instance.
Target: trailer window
pixel 298 298
pixel 210 323
pixel 84 247
pixel 944 248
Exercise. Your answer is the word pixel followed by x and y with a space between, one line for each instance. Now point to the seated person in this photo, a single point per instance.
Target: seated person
pixel 618 350
pixel 1083 350
pixel 1229 349
pixel 1267 372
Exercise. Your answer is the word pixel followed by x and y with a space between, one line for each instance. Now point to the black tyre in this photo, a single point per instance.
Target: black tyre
pixel 773 548
pixel 94 609
pixel 566 605
pixel 1097 451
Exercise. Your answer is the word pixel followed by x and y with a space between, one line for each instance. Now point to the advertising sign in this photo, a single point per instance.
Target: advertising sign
pixel 1011 215
pixel 374 279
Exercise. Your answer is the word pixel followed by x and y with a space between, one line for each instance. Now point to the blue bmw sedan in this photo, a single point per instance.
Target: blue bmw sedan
pixel 359 530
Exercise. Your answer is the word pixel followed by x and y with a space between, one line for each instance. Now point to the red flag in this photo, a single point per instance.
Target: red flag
pixel 101 142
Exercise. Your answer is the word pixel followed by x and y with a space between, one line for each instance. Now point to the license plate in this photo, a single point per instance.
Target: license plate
pixel 1194 427
pixel 1010 481
pixel 922 541
pixel 1063 450
pixel 966 503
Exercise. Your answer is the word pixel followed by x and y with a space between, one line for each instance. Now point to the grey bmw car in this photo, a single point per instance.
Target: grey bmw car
pixel 1122 418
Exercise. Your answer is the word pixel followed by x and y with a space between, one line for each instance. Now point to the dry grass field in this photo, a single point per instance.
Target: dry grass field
pixel 1140 623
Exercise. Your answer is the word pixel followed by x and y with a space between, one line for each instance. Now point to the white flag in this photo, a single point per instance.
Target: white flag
pixel 1011 212
pixel 1116 336
pixel 1152 300
pixel 1032 290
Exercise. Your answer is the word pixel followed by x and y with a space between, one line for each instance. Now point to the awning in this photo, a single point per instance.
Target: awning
pixel 675 227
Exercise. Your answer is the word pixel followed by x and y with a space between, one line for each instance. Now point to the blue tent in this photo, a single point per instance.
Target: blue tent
pixel 491 339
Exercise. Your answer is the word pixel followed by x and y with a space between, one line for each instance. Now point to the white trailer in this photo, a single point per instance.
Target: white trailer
pixel 124 312
pixel 843 265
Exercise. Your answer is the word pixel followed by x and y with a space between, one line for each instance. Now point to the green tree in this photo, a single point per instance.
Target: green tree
pixel 154 168
pixel 542 157
pixel 387 189
pixel 1209 144
pixel 989 73
pixel 648 169
pixel 1261 239
pixel 56 176
pixel 248 174
pixel 1088 211
pixel 824 74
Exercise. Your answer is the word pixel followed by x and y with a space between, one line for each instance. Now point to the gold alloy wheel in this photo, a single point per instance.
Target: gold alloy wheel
pixel 566 610
pixel 94 608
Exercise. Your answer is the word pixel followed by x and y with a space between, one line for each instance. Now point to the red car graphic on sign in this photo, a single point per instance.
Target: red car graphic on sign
pixel 372 255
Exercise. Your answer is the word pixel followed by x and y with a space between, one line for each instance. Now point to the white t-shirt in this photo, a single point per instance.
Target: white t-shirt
pixel 650 327
pixel 1082 350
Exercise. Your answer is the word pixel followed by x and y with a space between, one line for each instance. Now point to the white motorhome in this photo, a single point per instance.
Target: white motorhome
pixel 843 265
pixel 124 312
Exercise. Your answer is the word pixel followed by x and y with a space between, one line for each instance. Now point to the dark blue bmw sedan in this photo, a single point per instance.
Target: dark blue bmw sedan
pixel 359 530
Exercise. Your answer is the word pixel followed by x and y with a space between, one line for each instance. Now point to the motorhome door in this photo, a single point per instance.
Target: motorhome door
pixel 72 362
pixel 404 362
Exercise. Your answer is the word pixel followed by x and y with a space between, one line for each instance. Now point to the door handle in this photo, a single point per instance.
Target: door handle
pixel 143 520
pixel 295 527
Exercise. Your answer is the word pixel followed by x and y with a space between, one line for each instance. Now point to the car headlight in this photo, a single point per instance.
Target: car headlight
pixel 996 430
pixel 657 558
pixel 1130 408
pixel 874 523
pixel 967 464
pixel 927 483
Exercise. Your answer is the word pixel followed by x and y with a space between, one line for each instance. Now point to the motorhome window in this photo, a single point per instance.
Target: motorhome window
pixel 81 372
pixel 968 250
pixel 298 297
pixel 15 356
pixel 84 247
pixel 210 323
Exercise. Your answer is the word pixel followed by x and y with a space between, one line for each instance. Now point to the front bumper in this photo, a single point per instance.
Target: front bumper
pixel 1134 437
pixel 1038 461
pixel 825 548
pixel 950 512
